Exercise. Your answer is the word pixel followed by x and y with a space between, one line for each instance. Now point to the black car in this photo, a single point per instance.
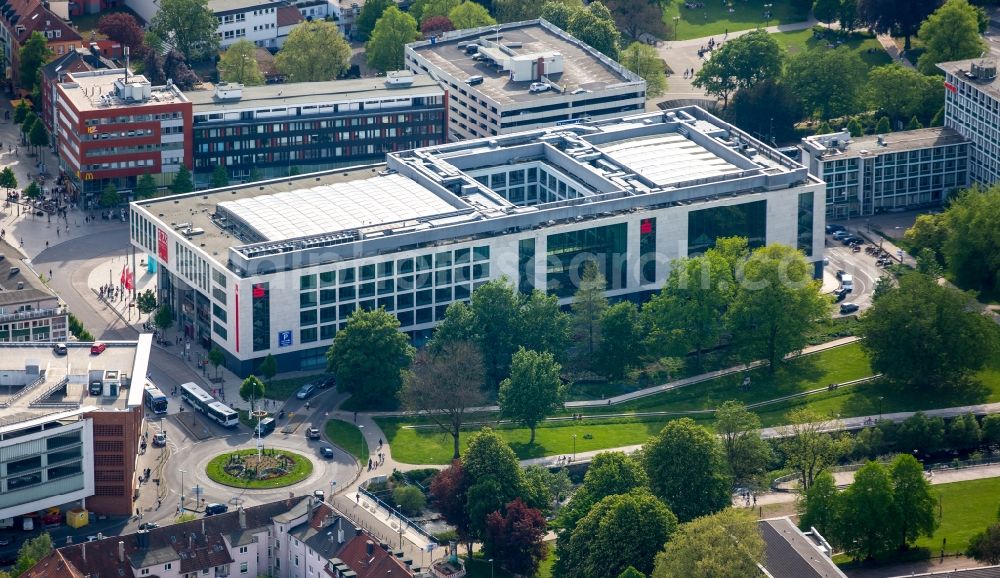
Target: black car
pixel 328 382
pixel 846 308
pixel 830 229
pixel 840 295
pixel 850 239
pixel 326 452
pixel 148 526
pixel 840 274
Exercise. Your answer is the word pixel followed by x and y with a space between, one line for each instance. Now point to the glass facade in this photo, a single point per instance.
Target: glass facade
pixel 647 249
pixel 526 265
pixel 747 220
pixel 261 299
pixel 568 253
pixel 805 237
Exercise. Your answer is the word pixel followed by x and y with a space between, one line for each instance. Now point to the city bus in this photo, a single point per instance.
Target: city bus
pixel 200 400
pixel 155 400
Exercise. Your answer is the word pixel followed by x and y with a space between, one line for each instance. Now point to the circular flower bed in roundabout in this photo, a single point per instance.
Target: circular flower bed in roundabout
pixel 273 469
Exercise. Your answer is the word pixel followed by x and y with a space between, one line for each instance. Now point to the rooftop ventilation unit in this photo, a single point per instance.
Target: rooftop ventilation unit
pixel 985 70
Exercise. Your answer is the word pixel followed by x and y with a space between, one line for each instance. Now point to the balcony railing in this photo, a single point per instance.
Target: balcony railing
pixel 31 314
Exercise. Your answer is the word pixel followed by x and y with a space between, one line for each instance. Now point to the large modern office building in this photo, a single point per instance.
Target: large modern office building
pixel 72 427
pixel 277 267
pixel 495 77
pixel 313 126
pixel 894 172
pixel 972 107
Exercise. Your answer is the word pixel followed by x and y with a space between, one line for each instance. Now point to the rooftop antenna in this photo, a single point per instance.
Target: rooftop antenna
pixel 126 65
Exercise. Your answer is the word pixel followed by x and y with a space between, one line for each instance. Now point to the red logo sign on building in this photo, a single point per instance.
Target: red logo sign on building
pixel 161 245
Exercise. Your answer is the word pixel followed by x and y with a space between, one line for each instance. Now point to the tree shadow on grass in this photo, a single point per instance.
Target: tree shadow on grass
pixel 901 397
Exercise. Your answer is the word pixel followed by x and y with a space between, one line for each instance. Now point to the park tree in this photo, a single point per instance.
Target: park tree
pixel 239 64
pixel 559 13
pixel 31 552
pixel 492 321
pixel 687 469
pixel 444 385
pixel 410 499
pixel 808 448
pixel 422 10
pixel 470 15
pixel 493 476
pixel 741 63
pixel 726 544
pixel 950 33
pixel 595 26
pixel 514 538
pixel 644 60
pixel 370 13
pixel 826 10
pixel 182 182
pixel 902 92
pixel 920 432
pixel 746 453
pixel 216 357
pixel 896 17
pixel 369 355
pixel 220 177
pixel 637 18
pixel 829 83
pixel 775 304
pixel 515 10
pixel 146 301
pixel 847 14
pixel 152 68
pixel 868 512
pixel 619 351
pixel 963 432
pixel 948 340
pixel 927 232
pixel 913 499
pixel 448 490
pixel 34 53
pixel 533 390
pixel 869 443
pixel 145 187
pixel 122 27
pixel 687 315
pixel 818 507
pixel 164 318
pixel 589 305
pixel 392 31
pixel 620 530
pixel 189 25
pixel 544 326
pixel 768 109
pixel 984 546
pixel 609 473
pixel 251 390
pixel 436 25
pixel 542 487
pixel 972 246
pixel 314 51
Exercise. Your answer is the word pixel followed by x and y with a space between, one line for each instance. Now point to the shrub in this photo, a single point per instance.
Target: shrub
pixel 410 500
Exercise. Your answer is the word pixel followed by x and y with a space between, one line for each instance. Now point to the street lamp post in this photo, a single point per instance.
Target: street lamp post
pixel 677 22
pixel 574 447
pixel 182 492
pixel 491 567
pixel 880 398
pixel 767 14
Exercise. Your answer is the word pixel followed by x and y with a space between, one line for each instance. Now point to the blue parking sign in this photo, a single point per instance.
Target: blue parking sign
pixel 284 338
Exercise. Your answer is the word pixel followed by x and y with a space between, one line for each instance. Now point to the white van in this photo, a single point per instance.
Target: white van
pixel 847 282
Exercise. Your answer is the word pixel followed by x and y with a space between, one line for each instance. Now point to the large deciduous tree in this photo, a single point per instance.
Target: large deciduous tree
pixel 829 83
pixel 922 333
pixel 514 538
pixel 950 33
pixel 740 63
pixel 687 469
pixel 370 13
pixel 972 247
pixel 768 109
pixel 190 25
pixel 594 25
pixel 776 303
pixel 251 390
pixel 393 30
pixel 903 93
pixel 644 60
pixel 314 51
pixel 901 17
pixel 984 546
pixel 124 28
pixel 444 385
pixel 619 350
pixel 746 452
pixel 470 15
pixel 868 525
pixel 638 17
pixel 621 530
pixel 436 25
pixel 533 390
pixel 726 544
pixel 239 64
pixel 808 448
pixel 34 53
pixel 368 356
pixel 493 476
pixel 914 501
pixel 448 490
pixel 818 506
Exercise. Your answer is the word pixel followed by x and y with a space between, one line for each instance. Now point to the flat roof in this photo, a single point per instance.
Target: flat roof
pixel 963 69
pixel 335 207
pixel 32 290
pixel 220 6
pixel 95 90
pixel 665 159
pixel 312 92
pixel 584 67
pixel 906 140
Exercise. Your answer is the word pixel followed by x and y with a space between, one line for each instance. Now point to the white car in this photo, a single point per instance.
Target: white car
pixel 538 87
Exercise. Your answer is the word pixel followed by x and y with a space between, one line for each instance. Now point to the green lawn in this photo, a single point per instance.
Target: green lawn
pixel 966 508
pixel 282 389
pixel 865 45
pixel 301 468
pixel 348 436
pixel 714 19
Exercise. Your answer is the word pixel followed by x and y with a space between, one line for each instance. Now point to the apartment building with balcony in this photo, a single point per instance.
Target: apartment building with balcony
pixel 29 310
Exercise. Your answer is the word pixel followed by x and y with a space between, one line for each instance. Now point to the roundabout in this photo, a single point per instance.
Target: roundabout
pixel 272 468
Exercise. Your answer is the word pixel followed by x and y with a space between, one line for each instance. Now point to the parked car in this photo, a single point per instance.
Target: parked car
pixel 319 494
pixel 59 349
pixel 538 87
pixel 98 348
pixel 838 235
pixel 148 526
pixel 328 382
pixel 312 433
pixel 215 508
pixel 840 274
pixel 850 239
pixel 159 440
pixel 840 295
pixel 846 308
pixel 834 228
pixel 326 452
pixel 306 390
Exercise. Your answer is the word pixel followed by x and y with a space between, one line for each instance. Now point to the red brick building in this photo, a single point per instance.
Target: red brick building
pixel 113 126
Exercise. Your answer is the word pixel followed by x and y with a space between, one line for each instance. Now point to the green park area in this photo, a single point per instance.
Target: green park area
pixel 966 508
pixel 598 430
pixel 863 44
pixel 349 437
pixel 715 17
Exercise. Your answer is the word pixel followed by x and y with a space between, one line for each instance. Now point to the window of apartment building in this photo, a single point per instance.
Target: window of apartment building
pixel 244 567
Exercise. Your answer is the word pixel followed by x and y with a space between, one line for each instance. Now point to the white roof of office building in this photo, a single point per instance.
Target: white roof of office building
pixel 337 207
pixel 668 158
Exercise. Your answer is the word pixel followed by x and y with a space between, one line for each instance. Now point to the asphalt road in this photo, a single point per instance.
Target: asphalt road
pixel 859 265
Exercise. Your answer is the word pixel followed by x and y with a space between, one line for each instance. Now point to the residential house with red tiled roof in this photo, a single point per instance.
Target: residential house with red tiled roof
pixel 19 19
